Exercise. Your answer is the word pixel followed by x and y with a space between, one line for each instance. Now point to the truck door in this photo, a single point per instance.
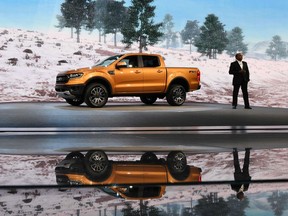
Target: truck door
pixel 129 79
pixel 129 173
pixel 154 74
pixel 154 173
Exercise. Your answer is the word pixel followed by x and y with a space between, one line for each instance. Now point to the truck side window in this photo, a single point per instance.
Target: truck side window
pixel 131 61
pixel 150 61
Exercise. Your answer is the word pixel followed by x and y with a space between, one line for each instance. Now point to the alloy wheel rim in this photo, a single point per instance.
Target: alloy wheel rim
pixel 179 162
pixel 178 95
pixel 97 162
pixel 97 95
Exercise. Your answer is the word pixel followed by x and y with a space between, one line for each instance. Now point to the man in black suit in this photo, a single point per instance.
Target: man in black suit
pixel 239 70
pixel 241 175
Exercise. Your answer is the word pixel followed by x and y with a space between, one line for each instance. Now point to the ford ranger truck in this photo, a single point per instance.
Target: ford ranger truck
pixel 131 74
pixel 138 179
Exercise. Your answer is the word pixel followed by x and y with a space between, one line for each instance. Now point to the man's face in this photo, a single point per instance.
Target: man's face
pixel 239 57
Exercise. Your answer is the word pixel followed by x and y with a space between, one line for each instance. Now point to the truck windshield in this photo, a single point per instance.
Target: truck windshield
pixel 107 61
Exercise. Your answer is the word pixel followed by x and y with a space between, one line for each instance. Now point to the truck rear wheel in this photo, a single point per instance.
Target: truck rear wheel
pixel 176 95
pixel 96 95
pixel 75 102
pixel 177 165
pixel 148 99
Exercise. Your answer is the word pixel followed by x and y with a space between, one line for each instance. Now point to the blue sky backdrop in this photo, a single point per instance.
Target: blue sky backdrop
pixel 259 19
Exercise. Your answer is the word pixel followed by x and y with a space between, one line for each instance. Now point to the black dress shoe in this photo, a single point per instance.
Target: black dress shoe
pixel 248 107
pixel 234 107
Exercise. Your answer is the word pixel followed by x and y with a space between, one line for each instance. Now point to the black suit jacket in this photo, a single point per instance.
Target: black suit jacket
pixel 245 177
pixel 238 77
pixel 236 187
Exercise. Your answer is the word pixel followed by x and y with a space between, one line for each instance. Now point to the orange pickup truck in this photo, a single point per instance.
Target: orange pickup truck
pixel 140 179
pixel 131 74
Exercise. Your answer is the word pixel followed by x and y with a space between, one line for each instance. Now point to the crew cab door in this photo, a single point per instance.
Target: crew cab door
pixel 129 173
pixel 154 174
pixel 129 78
pixel 154 74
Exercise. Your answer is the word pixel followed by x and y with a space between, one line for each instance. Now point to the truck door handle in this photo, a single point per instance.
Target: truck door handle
pixel 159 71
pixel 137 72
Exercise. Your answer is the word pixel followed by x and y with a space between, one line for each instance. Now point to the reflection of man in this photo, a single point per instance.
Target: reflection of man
pixel 239 70
pixel 241 175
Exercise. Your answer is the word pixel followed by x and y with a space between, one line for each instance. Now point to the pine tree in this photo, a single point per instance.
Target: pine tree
pixel 278 202
pixel 96 16
pixel 167 29
pixel 212 38
pixel 128 211
pixel 115 18
pixel 140 26
pixel 211 205
pixel 190 33
pixel 235 42
pixel 174 40
pixel 74 12
pixel 277 48
pixel 62 24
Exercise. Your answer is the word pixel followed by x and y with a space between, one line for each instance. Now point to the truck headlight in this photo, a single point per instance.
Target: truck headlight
pixel 75 75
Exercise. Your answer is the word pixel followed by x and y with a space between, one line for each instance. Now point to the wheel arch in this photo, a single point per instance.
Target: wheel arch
pixel 102 81
pixel 179 81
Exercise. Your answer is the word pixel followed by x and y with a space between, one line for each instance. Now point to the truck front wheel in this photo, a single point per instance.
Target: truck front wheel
pixel 75 102
pixel 149 157
pixel 176 95
pixel 148 99
pixel 96 95
pixel 98 167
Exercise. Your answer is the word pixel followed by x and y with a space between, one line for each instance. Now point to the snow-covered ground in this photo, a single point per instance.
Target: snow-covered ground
pixel 33 79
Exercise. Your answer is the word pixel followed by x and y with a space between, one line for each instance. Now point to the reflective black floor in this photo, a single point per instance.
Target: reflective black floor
pixel 201 199
pixel 241 182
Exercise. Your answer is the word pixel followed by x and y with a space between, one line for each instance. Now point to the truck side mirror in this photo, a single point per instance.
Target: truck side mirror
pixel 121 64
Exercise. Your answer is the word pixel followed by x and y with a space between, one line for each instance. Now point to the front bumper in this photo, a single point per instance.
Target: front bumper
pixel 69 91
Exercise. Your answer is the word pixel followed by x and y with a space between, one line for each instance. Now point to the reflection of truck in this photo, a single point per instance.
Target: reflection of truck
pixel 128 179
pixel 138 74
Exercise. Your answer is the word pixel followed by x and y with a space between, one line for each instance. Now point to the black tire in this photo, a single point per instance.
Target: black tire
pixel 74 155
pixel 149 157
pixel 96 95
pixel 149 100
pixel 177 162
pixel 97 165
pixel 75 102
pixel 176 95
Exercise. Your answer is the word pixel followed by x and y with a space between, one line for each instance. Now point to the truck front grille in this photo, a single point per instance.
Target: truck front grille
pixel 62 79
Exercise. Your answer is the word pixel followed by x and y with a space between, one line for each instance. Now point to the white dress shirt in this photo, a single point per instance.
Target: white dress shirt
pixel 241 64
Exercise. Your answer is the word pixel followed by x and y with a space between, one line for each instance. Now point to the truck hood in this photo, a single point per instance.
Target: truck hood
pixel 85 70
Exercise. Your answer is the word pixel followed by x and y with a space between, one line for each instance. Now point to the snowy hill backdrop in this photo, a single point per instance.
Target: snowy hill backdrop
pixel 30 61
